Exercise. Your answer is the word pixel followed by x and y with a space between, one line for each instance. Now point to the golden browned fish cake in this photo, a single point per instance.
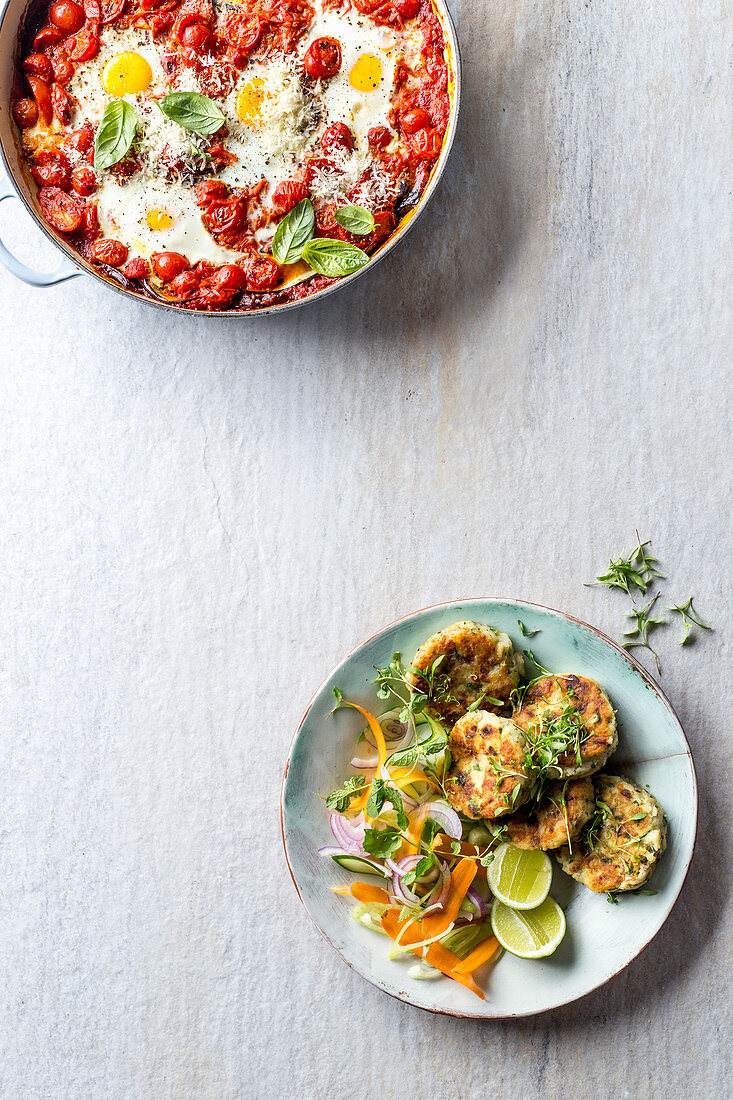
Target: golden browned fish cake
pixel 620 848
pixel 563 811
pixel 477 662
pixel 575 709
pixel 488 765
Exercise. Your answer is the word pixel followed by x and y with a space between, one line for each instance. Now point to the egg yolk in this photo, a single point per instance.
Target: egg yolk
pixel 250 100
pixel 159 219
pixel 366 73
pixel 126 74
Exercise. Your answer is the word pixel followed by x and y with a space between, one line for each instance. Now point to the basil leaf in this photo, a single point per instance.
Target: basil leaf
pixel 192 111
pixel 293 233
pixel 355 219
pixel 334 258
pixel 115 133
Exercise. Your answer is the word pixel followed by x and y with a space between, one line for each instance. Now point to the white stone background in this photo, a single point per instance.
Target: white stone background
pixel 200 518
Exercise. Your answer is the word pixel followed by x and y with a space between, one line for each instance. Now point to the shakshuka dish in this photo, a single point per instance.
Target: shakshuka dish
pixel 231 155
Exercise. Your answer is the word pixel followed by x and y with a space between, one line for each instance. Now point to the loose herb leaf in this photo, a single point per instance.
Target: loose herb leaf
pixel 690 618
pixel 334 258
pixel 611 895
pixel 115 133
pixel 293 233
pixel 638 570
pixel 192 111
pixel 536 663
pixel 340 799
pixel 355 219
pixel 641 625
pixel 380 793
pixel 524 632
pixel 382 843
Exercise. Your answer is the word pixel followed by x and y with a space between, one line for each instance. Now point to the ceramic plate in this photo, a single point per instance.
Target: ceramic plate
pixel 652 750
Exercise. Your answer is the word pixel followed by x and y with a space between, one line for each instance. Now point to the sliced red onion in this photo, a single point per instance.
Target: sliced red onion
pixel 330 850
pixel 445 816
pixel 349 834
pixel 397 735
pixel 366 756
pixel 401 892
pixel 482 908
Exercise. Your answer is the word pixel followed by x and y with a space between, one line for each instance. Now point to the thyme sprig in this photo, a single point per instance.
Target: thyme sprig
pixel 690 619
pixel 638 635
pixel 637 570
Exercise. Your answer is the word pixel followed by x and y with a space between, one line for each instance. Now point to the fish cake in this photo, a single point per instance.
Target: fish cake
pixel 487 776
pixel 621 847
pixel 577 709
pixel 477 665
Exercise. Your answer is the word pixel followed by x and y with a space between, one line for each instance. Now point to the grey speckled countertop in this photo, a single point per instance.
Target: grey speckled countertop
pixel 201 518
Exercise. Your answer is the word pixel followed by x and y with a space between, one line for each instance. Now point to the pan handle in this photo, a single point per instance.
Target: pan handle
pixel 65 270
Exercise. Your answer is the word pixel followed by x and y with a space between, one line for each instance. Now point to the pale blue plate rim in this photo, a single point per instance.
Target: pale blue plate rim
pixel 636 665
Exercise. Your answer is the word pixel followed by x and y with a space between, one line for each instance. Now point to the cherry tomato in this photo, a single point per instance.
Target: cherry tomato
pixel 63 104
pixel 210 190
pixel 197 37
pixel 25 113
pixel 86 44
pixel 378 137
pixel 67 16
pixel 136 269
pixel 220 155
pixel 288 194
pixel 39 65
pixel 111 10
pixel 337 136
pixel 167 265
pixel 47 36
pixel 82 139
pixel 63 212
pixel 225 216
pixel 242 32
pixel 426 144
pixel 323 58
pixel 42 96
pixel 63 69
pixel 84 181
pixel 52 170
pixel 90 222
pixel 112 253
pixel 262 273
pixel 406 9
pixel 92 10
pixel 414 120
pixel 326 224
pixel 229 277
pixel 185 284
pixel 211 299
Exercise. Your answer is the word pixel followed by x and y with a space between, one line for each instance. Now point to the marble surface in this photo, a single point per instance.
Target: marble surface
pixel 200 518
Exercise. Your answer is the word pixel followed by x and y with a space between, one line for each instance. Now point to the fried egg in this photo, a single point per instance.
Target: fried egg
pixel 126 66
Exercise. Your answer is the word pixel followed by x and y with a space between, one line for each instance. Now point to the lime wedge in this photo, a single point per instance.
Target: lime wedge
pixel 520 878
pixel 529 933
